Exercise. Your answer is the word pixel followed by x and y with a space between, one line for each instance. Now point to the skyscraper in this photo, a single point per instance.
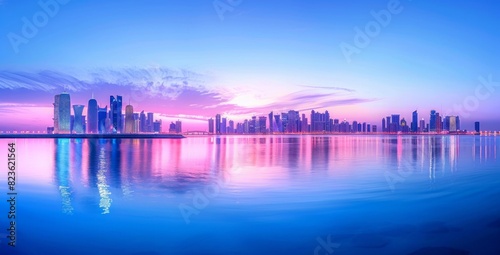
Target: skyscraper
pixel 384 129
pixel 477 127
pixel 178 127
pixel 422 125
pixel 143 122
pixel 102 116
pixel 92 119
pixel 150 121
pixel 211 126
pixel 129 119
pixel 217 124
pixel 116 113
pixel 223 126
pixel 78 122
pixel 62 114
pixel 395 123
pixel 262 124
pixel 432 121
pixel 414 122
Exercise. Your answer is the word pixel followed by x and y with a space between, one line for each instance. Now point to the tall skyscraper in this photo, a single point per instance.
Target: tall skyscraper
pixel 395 123
pixel 422 125
pixel 230 128
pixel 150 122
pixel 414 122
pixel 116 113
pixel 223 126
pixel 432 121
pixel 143 122
pixel 62 114
pixel 388 124
pixel 211 126
pixel 92 119
pixel 477 127
pixel 78 119
pixel 384 129
pixel 178 127
pixel 262 124
pixel 217 124
pixel 129 120
pixel 102 116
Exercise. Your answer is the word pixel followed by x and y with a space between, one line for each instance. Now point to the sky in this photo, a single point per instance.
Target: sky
pixel 191 59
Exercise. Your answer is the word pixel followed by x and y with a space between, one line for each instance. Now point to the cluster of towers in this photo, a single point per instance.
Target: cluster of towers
pixel 437 124
pixel 100 120
pixel 288 122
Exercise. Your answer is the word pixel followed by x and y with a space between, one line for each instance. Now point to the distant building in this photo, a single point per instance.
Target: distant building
pixel 78 119
pixel 223 126
pixel 129 120
pixel 62 114
pixel 395 123
pixel 116 113
pixel 432 121
pixel 477 126
pixel 92 118
pixel 172 129
pixel 143 122
pixel 414 122
pixel 157 126
pixel 422 125
pixel 178 127
pixel 150 122
pixel 217 124
pixel 102 116
pixel 50 130
pixel 211 126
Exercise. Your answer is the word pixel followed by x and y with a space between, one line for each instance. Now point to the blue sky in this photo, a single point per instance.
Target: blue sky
pixel 190 63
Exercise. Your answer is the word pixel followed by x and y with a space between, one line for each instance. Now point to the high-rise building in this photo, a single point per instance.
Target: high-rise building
pixel 129 119
pixel 432 121
pixel 223 126
pixel 178 127
pixel 458 124
pixel 92 119
pixel 452 123
pixel 211 126
pixel 414 122
pixel 404 126
pixel 439 123
pixel 78 119
pixel 62 114
pixel 477 127
pixel 230 128
pixel 395 123
pixel 384 129
pixel 157 126
pixel 150 121
pixel 116 113
pixel 102 116
pixel 262 124
pixel 143 121
pixel 217 124
pixel 422 125
pixel 388 124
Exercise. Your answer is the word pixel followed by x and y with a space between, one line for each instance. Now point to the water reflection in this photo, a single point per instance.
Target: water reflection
pixel 108 169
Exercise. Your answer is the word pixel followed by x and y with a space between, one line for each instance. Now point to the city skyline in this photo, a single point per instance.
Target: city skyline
pixel 259 57
pixel 69 118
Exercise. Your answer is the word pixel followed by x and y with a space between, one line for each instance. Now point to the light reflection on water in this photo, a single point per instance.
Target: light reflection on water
pixel 259 194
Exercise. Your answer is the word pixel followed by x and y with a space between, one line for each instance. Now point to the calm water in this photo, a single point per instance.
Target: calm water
pixel 256 195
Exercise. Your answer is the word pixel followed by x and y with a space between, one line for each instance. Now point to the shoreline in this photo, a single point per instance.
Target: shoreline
pixel 94 136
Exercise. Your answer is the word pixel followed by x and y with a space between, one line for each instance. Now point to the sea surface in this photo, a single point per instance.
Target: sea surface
pixel 310 194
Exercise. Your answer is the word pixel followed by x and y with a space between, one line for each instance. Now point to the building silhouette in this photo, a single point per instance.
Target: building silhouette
pixel 62 113
pixel 116 113
pixel 78 119
pixel 92 119
pixel 129 120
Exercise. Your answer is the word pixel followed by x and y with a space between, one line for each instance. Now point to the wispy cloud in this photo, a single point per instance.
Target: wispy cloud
pixel 327 87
